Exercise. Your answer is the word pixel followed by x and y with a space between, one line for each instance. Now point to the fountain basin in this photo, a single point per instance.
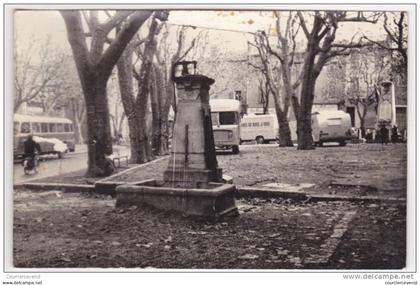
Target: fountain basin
pixel 212 201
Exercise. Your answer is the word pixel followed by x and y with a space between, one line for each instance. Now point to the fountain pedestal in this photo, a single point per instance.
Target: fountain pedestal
pixel 192 181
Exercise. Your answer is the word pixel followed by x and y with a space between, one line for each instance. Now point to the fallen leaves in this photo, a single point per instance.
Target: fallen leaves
pixel 248 256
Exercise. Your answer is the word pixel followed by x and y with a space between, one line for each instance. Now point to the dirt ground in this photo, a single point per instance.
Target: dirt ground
pixel 354 170
pixel 55 229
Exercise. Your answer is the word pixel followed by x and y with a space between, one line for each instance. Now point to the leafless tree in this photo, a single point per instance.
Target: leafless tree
pixel 367 70
pixel 94 66
pixel 320 30
pixel 35 73
pixel 163 97
pixel 135 107
pixel 265 92
pixel 396 28
pixel 285 53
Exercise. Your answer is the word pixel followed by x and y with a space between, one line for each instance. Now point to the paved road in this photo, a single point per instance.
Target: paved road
pixel 51 165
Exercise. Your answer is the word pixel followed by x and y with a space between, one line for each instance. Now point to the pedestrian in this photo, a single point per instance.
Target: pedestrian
pixel 369 136
pixel 394 134
pixel 30 146
pixel 383 133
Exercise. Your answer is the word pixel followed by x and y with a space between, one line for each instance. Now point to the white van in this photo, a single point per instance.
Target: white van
pixel 328 126
pixel 261 128
pixel 226 119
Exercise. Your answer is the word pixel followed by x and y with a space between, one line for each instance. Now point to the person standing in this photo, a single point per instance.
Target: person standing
pixel 383 131
pixel 394 134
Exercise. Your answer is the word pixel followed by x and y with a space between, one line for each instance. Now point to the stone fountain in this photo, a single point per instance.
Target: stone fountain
pixel 192 183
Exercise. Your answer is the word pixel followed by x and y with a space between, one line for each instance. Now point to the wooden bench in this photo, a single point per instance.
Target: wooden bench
pixel 117 159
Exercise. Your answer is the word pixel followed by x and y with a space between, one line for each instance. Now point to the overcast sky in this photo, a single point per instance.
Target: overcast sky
pixel 35 26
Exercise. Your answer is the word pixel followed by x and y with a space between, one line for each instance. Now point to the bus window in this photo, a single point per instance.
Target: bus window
pixel 227 118
pixel 71 127
pixel 266 124
pixel 36 128
pixel 52 128
pixel 25 128
pixel 66 128
pixel 16 128
pixel 255 124
pixel 249 124
pixel 243 124
pixel 44 127
pixel 60 128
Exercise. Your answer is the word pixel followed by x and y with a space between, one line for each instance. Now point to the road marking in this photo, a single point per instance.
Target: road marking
pixel 330 245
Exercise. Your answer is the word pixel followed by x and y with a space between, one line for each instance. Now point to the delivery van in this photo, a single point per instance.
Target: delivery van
pixel 261 128
pixel 226 119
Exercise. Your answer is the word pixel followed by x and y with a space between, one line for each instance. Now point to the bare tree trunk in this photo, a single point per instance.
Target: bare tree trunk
pixel 143 90
pixel 285 138
pixel 155 101
pixel 99 130
pixel 143 145
pixel 161 100
pixel 135 127
pixel 304 122
pixel 77 123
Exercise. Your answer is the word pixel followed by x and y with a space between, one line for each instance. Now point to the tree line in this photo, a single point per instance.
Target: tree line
pixel 142 62
pixel 293 86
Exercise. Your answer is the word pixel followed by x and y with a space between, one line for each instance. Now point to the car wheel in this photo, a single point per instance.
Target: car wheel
pixel 235 149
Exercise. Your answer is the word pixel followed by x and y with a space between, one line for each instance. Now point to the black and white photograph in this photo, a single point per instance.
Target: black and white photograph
pixel 225 138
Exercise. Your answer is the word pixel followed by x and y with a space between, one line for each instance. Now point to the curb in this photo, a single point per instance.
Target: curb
pixel 243 191
pixel 108 188
pixel 55 186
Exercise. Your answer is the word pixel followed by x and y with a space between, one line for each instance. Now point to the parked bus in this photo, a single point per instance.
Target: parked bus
pixel 47 129
pixel 261 128
pixel 226 118
pixel 328 126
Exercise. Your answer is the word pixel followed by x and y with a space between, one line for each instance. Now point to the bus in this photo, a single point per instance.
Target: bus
pixel 226 119
pixel 261 128
pixel 46 129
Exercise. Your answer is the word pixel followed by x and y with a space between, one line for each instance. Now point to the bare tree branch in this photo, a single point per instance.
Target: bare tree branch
pixel 303 24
